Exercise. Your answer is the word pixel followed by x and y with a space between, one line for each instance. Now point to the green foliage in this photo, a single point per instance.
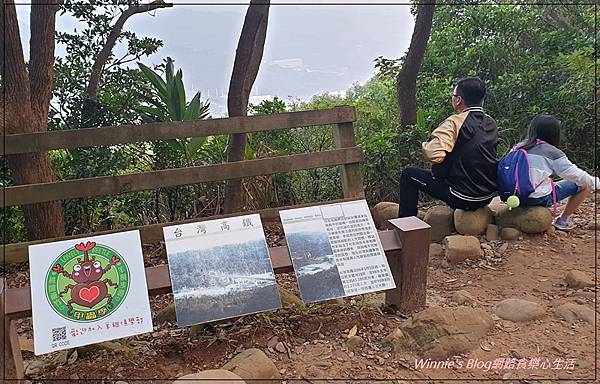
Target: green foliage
pixel 168 100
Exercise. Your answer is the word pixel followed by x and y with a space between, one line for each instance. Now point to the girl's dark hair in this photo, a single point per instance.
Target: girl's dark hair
pixel 543 127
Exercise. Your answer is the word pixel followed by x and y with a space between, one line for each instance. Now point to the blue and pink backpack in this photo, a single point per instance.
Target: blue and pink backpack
pixel 513 176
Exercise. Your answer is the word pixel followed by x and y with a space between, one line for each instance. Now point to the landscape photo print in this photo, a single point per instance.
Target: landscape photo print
pixel 220 269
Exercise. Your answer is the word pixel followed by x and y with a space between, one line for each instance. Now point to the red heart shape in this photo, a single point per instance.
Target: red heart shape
pixel 89 294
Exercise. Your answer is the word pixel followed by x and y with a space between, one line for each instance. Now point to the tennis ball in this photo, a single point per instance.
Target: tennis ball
pixel 513 201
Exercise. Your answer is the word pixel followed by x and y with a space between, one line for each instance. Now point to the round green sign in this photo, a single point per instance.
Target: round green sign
pixel 87 282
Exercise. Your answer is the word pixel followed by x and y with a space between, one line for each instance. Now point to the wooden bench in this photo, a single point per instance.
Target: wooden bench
pixel 406 246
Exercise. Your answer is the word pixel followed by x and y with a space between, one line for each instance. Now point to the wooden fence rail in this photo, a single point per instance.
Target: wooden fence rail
pixel 122 134
pixel 406 246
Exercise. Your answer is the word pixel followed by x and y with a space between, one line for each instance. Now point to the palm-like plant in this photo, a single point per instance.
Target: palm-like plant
pixel 167 102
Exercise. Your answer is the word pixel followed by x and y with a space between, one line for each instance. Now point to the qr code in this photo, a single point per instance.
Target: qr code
pixel 59 334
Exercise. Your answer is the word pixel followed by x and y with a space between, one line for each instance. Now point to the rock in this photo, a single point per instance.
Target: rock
pixel 460 248
pixel 211 376
pixel 166 314
pixel 492 233
pixel 510 234
pixel 279 347
pixel 421 214
pixel 534 220
pixel 272 342
pixel 472 223
pixel 355 342
pixel 496 205
pixel 573 312
pixel 519 310
pixel 289 299
pixel 384 211
pixel 526 219
pixel 435 250
pixel 397 340
pixel 577 279
pixel 252 364
pixel 439 333
pixel 462 297
pixel 441 219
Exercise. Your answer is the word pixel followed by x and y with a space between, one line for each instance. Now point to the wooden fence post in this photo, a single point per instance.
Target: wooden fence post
pixel 12 361
pixel 409 265
pixel 352 180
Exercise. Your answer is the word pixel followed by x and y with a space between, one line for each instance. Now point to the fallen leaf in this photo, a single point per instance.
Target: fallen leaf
pixel 353 331
pixel 485 346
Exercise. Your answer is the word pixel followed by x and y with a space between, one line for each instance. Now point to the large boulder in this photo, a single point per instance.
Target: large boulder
pixel 253 365
pixel 439 333
pixel 460 248
pixel 472 222
pixel 534 219
pixel 384 211
pixel 577 279
pixel 519 310
pixel 526 219
pixel 573 312
pixel 441 220
pixel 211 376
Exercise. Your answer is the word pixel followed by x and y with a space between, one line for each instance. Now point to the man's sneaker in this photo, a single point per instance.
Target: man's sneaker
pixel 563 224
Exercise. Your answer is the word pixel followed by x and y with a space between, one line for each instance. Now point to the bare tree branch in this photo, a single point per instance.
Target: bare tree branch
pixel 111 40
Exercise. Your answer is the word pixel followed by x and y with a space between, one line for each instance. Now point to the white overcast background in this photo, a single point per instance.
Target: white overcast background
pixel 310 48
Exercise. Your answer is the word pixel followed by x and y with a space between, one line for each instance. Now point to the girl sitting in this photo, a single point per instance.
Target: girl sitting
pixel 546 160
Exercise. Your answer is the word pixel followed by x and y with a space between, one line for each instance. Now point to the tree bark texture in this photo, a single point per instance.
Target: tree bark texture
pixel 245 69
pixel 406 81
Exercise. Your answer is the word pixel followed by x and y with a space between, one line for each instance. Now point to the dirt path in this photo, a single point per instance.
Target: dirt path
pixel 532 268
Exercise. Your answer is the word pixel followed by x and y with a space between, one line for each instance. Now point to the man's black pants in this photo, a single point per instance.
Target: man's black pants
pixel 415 179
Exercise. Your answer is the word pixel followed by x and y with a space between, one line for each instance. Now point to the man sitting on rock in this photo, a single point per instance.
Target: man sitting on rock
pixel 462 151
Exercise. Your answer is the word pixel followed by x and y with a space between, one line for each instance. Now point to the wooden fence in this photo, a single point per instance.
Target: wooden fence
pixel 406 246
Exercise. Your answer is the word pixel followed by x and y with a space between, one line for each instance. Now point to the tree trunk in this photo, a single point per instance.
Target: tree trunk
pixel 406 81
pixel 27 99
pixel 245 69
pixel 90 107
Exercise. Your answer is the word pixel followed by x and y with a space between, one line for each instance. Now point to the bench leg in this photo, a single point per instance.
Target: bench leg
pixel 12 360
pixel 409 265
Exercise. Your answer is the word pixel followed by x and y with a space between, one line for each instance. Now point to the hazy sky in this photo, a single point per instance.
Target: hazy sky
pixel 310 49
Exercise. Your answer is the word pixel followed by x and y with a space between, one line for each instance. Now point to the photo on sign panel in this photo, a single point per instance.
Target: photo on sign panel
pixel 88 290
pixel 336 251
pixel 314 263
pixel 220 269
